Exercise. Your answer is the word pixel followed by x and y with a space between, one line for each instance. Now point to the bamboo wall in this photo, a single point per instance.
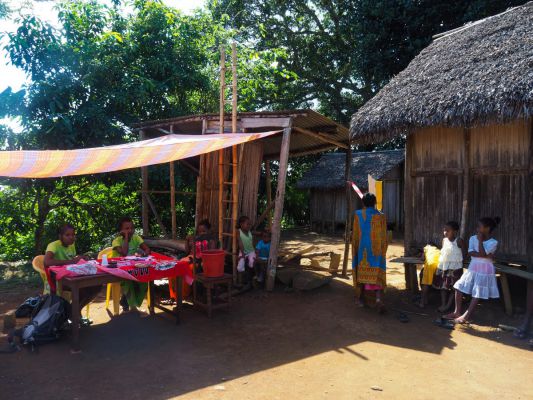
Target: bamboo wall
pixel 208 185
pixel 494 161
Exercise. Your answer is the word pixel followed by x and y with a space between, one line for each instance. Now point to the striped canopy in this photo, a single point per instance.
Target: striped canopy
pixel 57 163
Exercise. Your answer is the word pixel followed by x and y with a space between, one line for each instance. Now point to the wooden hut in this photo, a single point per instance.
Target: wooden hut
pixel 465 104
pixel 327 185
pixel 301 132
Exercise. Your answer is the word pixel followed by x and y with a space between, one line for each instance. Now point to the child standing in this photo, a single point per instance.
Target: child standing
pixel 262 252
pixel 479 280
pixel 246 245
pixel 450 267
pixel 128 243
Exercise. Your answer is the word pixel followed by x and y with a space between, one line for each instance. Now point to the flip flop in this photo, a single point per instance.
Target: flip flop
pixel 403 318
pixel 520 334
pixel 444 323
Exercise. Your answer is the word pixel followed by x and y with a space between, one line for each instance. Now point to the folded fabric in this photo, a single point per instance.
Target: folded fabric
pixel 87 268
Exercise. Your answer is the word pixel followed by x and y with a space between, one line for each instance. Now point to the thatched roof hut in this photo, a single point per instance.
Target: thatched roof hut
pixel 465 104
pixel 327 184
pixel 477 74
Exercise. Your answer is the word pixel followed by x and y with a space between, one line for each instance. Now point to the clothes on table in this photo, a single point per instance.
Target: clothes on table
pixel 369 248
pixel 479 280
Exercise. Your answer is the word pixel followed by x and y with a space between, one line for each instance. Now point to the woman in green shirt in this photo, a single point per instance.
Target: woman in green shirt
pixel 128 243
pixel 63 252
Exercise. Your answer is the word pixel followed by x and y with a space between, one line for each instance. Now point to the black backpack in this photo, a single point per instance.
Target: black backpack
pixel 47 321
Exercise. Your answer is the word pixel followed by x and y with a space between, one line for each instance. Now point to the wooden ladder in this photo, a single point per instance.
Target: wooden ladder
pixel 228 183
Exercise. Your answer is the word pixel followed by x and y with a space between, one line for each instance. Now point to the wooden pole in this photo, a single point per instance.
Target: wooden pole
pixel 347 230
pixel 172 194
pixel 466 182
pixel 221 152
pixel 235 165
pixel 268 192
pixel 199 182
pixel 278 211
pixel 529 207
pixel 408 207
pixel 145 216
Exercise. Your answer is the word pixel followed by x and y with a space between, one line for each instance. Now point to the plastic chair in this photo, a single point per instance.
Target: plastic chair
pixel 113 289
pixel 38 266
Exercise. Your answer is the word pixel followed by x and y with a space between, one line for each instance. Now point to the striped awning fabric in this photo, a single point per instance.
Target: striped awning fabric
pixel 57 163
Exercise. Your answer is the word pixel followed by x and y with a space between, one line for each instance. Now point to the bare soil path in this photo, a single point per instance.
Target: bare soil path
pixel 312 345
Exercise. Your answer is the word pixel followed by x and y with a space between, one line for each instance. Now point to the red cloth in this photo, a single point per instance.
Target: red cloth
pixel 130 271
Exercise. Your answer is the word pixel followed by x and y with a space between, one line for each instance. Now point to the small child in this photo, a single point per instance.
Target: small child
pixel 479 280
pixel 262 251
pixel 246 245
pixel 450 267
pixel 431 261
pixel 128 243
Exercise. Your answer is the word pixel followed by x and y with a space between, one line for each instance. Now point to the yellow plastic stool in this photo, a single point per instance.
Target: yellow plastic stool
pixel 113 289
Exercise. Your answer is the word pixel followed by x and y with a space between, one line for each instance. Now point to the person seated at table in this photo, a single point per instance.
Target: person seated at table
pixel 195 245
pixel 128 243
pixel 63 252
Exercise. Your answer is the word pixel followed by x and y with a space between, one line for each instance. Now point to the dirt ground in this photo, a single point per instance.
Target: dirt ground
pixel 280 345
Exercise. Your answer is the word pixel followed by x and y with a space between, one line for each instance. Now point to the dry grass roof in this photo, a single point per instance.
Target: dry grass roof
pixel 475 75
pixel 328 172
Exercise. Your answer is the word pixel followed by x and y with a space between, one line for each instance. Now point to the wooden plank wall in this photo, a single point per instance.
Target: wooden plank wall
pixel 250 174
pixel 498 159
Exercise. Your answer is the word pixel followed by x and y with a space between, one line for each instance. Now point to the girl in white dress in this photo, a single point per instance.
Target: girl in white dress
pixel 450 267
pixel 479 280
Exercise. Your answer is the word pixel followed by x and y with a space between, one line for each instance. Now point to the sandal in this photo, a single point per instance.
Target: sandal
pixel 520 334
pixel 444 323
pixel 403 318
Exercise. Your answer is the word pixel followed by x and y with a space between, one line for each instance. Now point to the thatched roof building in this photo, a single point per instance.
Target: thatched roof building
pixel 465 104
pixel 328 172
pixel 327 184
pixel 480 73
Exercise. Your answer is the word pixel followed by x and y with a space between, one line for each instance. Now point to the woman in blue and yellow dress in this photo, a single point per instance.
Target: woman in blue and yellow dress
pixel 369 250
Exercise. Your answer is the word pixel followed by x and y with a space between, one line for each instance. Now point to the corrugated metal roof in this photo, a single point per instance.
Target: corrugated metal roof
pixel 301 143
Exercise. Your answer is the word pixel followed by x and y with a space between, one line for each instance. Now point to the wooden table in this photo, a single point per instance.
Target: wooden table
pixel 210 283
pixel 79 282
pixel 410 265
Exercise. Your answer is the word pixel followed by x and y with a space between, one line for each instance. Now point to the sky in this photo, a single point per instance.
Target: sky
pixel 11 76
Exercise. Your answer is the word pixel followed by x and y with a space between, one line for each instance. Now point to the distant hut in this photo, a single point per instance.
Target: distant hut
pixel 327 184
pixel 465 104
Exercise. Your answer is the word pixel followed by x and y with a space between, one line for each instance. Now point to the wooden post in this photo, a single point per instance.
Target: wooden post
pixel 529 207
pixel 278 211
pixel 172 194
pixel 466 183
pixel 347 230
pixel 236 163
pixel 408 208
pixel 221 152
pixel 199 182
pixel 145 216
pixel 268 191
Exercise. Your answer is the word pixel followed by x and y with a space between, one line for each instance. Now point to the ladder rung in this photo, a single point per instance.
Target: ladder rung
pixel 228 201
pixel 230 164
pixel 229 253
pixel 228 218
pixel 227 234
pixel 230 183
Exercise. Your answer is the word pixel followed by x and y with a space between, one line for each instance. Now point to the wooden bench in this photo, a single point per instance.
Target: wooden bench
pixel 411 279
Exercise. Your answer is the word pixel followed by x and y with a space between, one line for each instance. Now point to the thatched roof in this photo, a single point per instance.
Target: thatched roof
pixel 475 75
pixel 328 172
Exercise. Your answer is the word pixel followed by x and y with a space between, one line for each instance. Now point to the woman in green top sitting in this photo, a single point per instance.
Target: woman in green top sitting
pixel 246 245
pixel 128 243
pixel 63 252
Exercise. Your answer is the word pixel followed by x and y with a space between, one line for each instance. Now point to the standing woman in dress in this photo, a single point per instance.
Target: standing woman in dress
pixel 369 249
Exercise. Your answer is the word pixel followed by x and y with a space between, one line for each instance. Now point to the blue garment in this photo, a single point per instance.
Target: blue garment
pixel 263 249
pixel 370 241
